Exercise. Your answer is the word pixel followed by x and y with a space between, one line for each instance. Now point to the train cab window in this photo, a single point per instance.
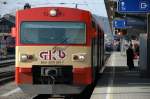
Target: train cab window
pixel 53 33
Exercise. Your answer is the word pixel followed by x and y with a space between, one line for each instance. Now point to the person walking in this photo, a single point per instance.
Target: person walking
pixel 130 57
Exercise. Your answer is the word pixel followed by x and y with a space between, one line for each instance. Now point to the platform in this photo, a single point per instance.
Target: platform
pixel 118 82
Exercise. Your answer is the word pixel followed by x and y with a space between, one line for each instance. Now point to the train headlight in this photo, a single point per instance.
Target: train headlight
pixel 24 58
pixel 53 12
pixel 79 57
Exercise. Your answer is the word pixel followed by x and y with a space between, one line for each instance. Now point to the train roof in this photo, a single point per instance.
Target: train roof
pixel 61 13
pixel 55 8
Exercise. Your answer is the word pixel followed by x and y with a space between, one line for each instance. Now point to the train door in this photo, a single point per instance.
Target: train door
pixel 94 52
pixel 102 48
pixel 99 49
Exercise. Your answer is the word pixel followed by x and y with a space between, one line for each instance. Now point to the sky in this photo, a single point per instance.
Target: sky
pixel 95 6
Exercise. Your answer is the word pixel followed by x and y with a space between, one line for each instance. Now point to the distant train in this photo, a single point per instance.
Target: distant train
pixel 58 50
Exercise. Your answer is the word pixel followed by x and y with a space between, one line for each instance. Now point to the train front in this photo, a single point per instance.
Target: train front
pixel 53 53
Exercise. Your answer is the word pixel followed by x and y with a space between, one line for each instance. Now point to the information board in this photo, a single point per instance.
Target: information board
pixel 134 6
pixel 120 23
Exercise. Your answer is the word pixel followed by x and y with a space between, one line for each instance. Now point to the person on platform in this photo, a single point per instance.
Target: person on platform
pixel 130 57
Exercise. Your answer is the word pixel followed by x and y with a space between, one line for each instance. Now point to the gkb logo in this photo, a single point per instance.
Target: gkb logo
pixel 53 54
pixel 144 5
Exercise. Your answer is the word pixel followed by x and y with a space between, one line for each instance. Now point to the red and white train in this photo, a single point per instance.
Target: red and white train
pixel 58 50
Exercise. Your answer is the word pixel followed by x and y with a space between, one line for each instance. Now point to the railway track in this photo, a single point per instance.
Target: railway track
pixel 86 94
pixel 5 63
pixel 7 58
pixel 7 72
pixel 6 76
pixel 53 97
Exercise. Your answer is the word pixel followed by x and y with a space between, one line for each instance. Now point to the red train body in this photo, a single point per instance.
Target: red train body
pixel 58 50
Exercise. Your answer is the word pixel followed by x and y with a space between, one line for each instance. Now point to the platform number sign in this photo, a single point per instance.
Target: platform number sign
pixel 119 23
pixel 144 5
pixel 134 6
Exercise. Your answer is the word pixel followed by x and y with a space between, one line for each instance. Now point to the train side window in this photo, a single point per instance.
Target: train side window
pixel 93 24
pixel 99 31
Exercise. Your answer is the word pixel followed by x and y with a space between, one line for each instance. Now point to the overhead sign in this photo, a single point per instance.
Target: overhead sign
pixel 120 23
pixel 134 6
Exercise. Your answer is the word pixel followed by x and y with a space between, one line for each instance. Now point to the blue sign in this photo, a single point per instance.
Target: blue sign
pixel 134 6
pixel 120 23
